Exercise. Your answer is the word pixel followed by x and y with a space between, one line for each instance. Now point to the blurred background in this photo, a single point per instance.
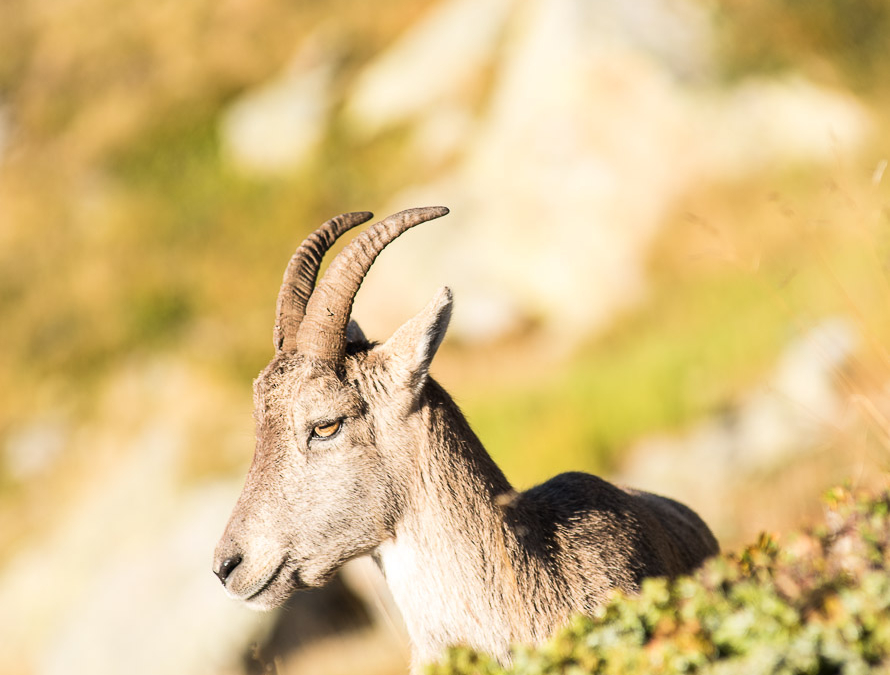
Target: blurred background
pixel 669 246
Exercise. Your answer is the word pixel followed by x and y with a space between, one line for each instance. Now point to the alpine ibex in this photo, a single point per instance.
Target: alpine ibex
pixel 359 450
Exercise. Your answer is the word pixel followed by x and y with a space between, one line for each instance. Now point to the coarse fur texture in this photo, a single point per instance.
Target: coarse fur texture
pixel 359 451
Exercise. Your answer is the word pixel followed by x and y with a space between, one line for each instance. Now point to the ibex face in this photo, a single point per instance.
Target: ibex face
pixel 318 491
pixel 333 451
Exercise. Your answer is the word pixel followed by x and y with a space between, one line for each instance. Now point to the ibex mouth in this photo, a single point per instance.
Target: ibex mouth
pixel 277 588
pixel 266 584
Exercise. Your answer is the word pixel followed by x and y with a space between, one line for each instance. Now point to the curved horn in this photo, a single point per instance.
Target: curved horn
pixel 322 334
pixel 300 275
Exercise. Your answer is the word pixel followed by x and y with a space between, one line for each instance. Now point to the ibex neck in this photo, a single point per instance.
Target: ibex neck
pixel 450 565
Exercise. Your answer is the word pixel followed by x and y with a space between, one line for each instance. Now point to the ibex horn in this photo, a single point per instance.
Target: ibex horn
pixel 299 278
pixel 322 334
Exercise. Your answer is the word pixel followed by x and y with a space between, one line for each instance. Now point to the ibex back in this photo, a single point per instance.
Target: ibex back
pixel 359 450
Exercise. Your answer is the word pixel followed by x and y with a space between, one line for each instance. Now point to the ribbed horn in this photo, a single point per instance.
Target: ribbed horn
pixel 322 334
pixel 300 275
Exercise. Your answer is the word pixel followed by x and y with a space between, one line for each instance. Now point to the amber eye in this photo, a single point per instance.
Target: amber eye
pixel 327 430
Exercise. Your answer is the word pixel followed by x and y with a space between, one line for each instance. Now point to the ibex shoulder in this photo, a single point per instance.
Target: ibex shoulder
pixel 608 536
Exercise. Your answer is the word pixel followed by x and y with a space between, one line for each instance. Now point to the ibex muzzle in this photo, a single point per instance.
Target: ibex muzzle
pixel 358 450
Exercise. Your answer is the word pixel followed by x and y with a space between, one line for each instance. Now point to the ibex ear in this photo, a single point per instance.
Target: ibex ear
pixel 410 350
pixel 354 334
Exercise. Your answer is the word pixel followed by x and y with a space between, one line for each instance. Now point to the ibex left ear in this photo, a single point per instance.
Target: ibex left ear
pixel 411 348
pixel 354 333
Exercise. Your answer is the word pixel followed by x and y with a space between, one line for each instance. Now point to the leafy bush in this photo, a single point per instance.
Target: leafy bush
pixel 818 604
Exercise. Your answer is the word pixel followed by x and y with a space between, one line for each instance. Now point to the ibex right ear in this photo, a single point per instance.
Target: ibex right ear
pixel 410 350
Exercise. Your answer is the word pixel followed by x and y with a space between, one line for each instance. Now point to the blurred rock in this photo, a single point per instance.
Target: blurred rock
pixel 432 65
pixel 760 122
pixel 33 447
pixel 123 583
pixel 795 412
pixel 152 606
pixel 598 117
pixel 277 126
pixel 561 132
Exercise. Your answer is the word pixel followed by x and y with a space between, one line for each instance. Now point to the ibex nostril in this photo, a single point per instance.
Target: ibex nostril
pixel 225 569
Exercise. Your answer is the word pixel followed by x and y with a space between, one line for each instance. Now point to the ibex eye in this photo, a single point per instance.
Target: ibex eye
pixel 327 430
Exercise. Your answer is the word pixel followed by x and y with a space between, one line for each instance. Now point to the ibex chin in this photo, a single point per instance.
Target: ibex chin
pixel 359 450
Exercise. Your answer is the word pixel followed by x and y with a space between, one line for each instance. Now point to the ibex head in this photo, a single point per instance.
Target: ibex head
pixel 333 433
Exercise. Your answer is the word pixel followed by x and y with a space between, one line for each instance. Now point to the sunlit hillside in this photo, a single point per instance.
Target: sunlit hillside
pixel 669 244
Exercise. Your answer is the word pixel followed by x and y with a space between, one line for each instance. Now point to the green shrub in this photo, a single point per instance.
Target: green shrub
pixel 816 604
